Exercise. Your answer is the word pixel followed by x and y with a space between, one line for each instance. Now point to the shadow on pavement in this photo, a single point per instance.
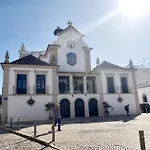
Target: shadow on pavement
pixel 78 120
pixel 97 119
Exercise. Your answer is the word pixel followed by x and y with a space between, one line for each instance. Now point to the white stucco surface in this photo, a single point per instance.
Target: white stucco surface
pixel 62 40
pixel 116 74
pixel 142 75
pixel 18 108
pixel 31 78
pixel 119 107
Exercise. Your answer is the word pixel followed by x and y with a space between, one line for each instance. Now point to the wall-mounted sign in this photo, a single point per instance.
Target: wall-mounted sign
pixel 5 98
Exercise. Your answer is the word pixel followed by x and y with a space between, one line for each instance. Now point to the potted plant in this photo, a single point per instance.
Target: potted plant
pixel 49 107
pixel 106 106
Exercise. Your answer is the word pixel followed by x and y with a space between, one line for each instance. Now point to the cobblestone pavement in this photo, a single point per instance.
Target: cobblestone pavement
pixel 90 134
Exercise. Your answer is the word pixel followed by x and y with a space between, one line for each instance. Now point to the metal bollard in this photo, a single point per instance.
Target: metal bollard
pixel 5 120
pixel 11 123
pixel 18 124
pixel 53 126
pixel 0 121
pixel 34 128
pixel 142 140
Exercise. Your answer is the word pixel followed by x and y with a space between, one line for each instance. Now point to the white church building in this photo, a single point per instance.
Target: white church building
pixel 62 74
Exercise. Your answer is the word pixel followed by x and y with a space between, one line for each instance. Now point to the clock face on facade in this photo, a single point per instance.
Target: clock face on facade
pixel 71 44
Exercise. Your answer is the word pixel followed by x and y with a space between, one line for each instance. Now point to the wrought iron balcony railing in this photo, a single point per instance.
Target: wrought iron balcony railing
pixel 29 90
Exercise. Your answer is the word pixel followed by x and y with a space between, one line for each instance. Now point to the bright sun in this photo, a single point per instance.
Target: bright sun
pixel 134 8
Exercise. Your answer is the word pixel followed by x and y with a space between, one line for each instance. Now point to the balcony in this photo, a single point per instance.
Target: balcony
pixel 28 91
pixel 120 89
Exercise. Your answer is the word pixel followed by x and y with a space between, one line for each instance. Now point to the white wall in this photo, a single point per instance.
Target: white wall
pixel 63 50
pixel 111 98
pixel 31 77
pixel 119 107
pixel 46 59
pixel 62 40
pixel 142 75
pixel 116 74
pixel 146 91
pixel 18 108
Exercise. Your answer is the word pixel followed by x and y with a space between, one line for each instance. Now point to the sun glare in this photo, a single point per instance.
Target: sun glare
pixel 134 8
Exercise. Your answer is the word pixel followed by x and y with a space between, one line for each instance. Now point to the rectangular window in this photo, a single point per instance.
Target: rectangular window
pixel 64 85
pixel 21 84
pixel 91 84
pixel 77 85
pixel 40 84
pixel 110 85
pixel 124 85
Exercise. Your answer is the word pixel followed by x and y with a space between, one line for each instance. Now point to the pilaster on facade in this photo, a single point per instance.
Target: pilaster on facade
pixel 5 94
pixel 54 86
pixel 86 109
pixel 32 84
pixel 100 92
pixel 72 109
pixel 71 84
pixel 85 84
pixel 97 85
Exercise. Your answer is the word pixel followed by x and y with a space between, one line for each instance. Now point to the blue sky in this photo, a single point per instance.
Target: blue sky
pixel 32 22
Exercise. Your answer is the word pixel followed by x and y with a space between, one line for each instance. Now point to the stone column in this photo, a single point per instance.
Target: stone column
pixel 99 85
pixel 32 86
pixel 5 94
pixel 71 84
pixel 72 109
pixel 86 108
pixel 54 86
pixel 85 84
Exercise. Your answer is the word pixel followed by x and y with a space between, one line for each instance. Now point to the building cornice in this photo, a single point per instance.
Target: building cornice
pixel 77 73
pixel 50 47
pixel 27 66
pixel 87 48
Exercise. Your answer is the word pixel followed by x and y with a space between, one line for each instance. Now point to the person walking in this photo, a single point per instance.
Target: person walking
pixel 127 109
pixel 57 116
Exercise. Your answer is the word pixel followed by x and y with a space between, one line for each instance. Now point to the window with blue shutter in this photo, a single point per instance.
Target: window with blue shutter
pixel 40 84
pixel 21 84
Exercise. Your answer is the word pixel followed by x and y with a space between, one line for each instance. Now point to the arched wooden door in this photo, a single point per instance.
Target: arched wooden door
pixel 65 108
pixel 79 108
pixel 93 107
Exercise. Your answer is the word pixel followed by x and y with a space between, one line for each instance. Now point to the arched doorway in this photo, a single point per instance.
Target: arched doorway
pixel 65 108
pixel 93 107
pixel 79 108
pixel 144 98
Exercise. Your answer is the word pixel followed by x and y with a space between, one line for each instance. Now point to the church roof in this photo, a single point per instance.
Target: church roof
pixel 108 65
pixel 30 60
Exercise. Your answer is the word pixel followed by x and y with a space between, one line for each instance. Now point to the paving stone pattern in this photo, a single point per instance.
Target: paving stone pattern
pixel 86 134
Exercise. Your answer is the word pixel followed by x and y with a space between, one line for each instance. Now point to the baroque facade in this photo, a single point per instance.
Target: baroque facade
pixel 62 74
